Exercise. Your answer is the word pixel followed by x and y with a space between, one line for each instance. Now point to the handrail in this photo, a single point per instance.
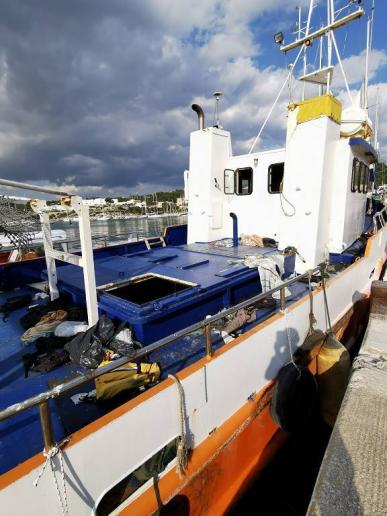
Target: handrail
pixel 381 216
pixel 63 388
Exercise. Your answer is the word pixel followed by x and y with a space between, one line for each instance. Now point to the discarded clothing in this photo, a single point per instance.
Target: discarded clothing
pixel 44 362
pixel 226 242
pixel 252 240
pixel 32 317
pixel 70 328
pixel 40 295
pixel 129 376
pixel 243 316
pixel 86 348
pixel 268 273
pixel 45 326
pixel 48 344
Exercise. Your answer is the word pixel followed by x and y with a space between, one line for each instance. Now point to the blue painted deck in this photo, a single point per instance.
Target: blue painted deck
pixel 208 267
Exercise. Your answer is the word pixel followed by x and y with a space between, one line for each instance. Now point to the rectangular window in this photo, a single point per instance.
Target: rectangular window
pixel 365 174
pixel 355 175
pixel 275 178
pixel 360 177
pixel 244 181
pixel 229 181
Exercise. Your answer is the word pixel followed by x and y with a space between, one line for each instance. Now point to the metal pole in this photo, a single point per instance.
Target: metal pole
pixel 46 424
pixel 50 261
pixel 208 339
pixel 282 299
pixel 26 186
pixel 88 264
pixel 329 51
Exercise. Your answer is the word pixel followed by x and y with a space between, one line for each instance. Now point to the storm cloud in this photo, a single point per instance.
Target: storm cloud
pixel 96 94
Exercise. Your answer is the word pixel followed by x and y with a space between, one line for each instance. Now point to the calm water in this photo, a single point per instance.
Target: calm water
pixel 122 229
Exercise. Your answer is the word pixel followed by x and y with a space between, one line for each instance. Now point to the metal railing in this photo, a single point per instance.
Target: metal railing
pixel 204 325
pixel 106 240
pixel 381 218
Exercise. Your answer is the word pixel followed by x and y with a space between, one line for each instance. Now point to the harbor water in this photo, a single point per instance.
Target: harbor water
pixel 122 229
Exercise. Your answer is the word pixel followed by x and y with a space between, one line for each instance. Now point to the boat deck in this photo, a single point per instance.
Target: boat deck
pixel 203 264
pixel 20 436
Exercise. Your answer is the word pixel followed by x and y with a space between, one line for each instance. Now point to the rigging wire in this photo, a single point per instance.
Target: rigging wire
pixel 276 99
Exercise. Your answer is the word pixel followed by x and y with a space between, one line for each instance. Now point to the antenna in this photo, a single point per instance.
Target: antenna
pixel 370 23
pixel 217 96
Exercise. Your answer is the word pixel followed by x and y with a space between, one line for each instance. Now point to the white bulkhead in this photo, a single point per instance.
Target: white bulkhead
pixel 302 195
pixel 210 150
pixel 309 178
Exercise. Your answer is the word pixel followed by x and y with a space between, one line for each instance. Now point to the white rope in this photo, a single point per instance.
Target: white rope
pixel 182 446
pixel 50 454
pixel 289 203
pixel 277 98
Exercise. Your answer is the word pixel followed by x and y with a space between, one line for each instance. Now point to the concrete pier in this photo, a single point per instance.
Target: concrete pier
pixel 353 475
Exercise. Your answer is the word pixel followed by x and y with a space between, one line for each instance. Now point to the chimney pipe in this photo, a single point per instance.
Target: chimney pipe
pixel 200 114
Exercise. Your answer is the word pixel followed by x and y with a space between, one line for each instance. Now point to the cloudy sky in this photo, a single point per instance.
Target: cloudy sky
pixel 95 94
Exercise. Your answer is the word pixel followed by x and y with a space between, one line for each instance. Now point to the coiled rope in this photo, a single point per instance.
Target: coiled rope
pixel 182 446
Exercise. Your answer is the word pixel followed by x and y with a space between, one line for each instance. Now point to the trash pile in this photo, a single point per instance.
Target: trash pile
pixel 60 334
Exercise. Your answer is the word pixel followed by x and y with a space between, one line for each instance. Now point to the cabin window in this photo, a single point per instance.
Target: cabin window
pixel 360 177
pixel 355 175
pixel 364 178
pixel 275 178
pixel 129 485
pixel 229 181
pixel 244 181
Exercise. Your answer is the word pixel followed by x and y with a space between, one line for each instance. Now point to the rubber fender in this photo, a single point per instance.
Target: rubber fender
pixel 333 368
pixel 295 397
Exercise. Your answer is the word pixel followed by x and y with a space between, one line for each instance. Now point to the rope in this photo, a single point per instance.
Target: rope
pixel 326 301
pixel 50 454
pixel 312 318
pixel 276 99
pixel 370 362
pixel 182 446
pixel 289 203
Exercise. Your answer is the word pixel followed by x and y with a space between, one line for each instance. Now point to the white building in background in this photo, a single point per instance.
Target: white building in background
pixel 100 201
pixel 181 201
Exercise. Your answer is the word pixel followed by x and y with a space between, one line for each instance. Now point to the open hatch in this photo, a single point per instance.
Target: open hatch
pixel 147 288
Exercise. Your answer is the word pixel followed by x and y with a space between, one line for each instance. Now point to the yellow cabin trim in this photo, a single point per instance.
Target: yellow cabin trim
pixel 316 107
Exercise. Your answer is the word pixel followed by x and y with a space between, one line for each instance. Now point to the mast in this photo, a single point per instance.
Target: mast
pixel 320 88
pixel 370 22
pixel 330 16
pixel 311 5
pixel 322 76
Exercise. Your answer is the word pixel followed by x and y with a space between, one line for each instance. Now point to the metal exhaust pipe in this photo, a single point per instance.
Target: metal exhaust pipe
pixel 200 114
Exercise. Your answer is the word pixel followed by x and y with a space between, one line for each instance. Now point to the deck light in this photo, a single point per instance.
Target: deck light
pixel 279 38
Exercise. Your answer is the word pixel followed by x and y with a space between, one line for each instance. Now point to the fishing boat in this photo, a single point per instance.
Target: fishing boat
pixel 279 244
